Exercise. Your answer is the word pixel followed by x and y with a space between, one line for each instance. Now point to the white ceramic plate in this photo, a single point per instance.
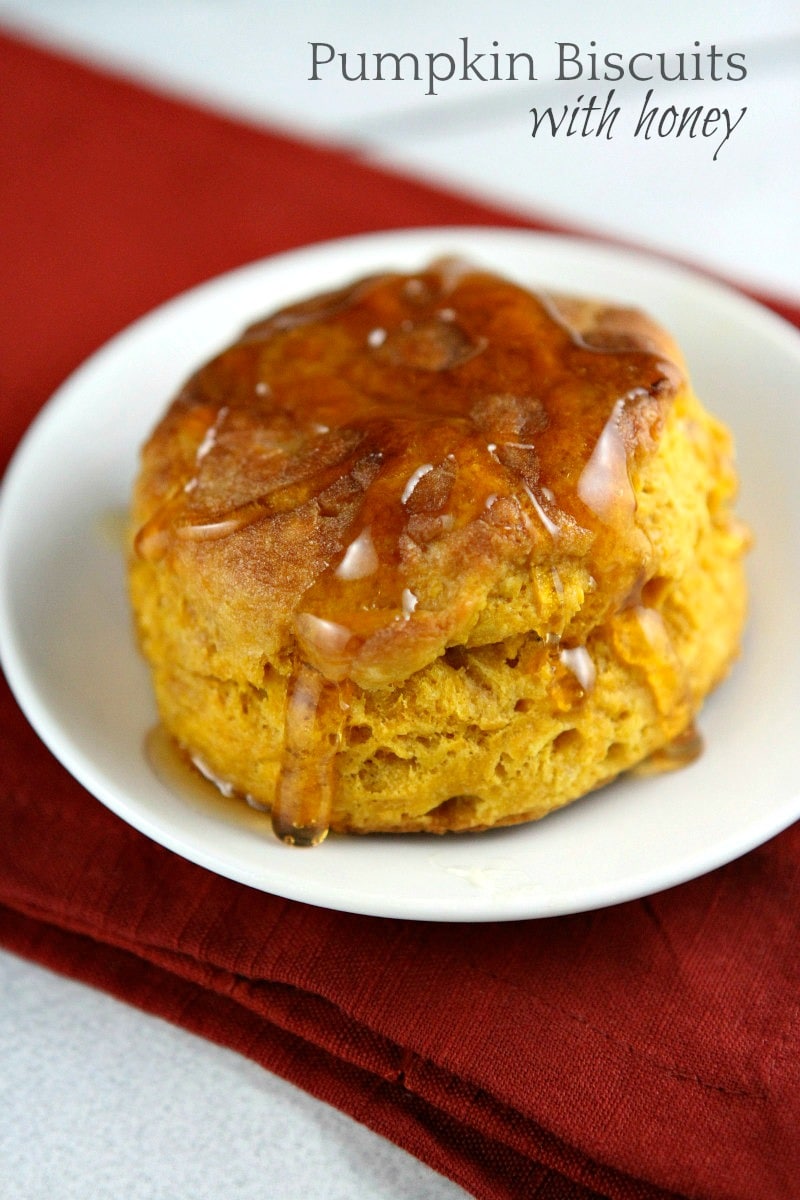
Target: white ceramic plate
pixel 66 642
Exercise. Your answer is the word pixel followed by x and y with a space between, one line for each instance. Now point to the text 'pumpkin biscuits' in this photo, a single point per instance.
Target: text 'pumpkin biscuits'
pixel 434 552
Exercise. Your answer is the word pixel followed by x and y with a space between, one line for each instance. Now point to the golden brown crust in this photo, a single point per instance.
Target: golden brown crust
pixel 609 326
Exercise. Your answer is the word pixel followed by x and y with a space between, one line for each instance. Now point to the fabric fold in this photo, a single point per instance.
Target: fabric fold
pixel 640 1052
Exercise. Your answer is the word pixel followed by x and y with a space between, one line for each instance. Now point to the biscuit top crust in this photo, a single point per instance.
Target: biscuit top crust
pixel 371 464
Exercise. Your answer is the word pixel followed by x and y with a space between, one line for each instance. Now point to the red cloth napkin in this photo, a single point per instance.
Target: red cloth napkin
pixel 643 1051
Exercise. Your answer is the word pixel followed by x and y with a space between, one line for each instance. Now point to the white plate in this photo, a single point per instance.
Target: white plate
pixel 66 641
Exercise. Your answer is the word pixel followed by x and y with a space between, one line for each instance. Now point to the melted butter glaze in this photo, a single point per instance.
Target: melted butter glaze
pixel 424 408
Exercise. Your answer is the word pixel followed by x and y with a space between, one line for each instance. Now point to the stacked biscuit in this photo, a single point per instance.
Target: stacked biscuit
pixel 434 552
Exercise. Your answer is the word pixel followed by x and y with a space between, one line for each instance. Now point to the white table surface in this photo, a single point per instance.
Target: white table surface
pixel 97 1099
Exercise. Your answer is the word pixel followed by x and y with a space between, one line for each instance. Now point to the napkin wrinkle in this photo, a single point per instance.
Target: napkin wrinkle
pixel 319 1022
pixel 449 1095
pixel 98 914
pixel 732 1085
pixel 662 931
pixel 668 1067
pixel 205 960
pixel 484 1168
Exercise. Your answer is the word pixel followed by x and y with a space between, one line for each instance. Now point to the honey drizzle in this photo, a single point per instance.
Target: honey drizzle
pixel 684 749
pixel 463 403
pixel 315 712
pixel 189 777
